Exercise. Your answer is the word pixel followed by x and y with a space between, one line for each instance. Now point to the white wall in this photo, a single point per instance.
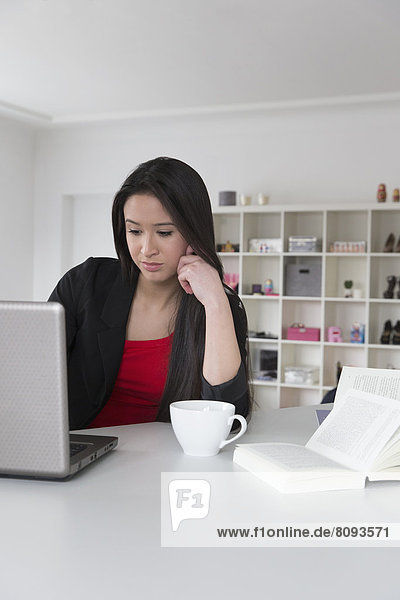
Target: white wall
pixel 16 210
pixel 319 155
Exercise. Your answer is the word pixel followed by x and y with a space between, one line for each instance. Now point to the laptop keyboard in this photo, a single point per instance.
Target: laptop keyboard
pixel 74 448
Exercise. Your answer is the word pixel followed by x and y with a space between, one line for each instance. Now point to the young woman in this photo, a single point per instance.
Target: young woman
pixel 157 324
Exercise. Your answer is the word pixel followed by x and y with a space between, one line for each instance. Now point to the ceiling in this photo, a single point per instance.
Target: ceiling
pixel 81 60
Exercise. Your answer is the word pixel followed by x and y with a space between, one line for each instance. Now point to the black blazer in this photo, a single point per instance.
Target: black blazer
pixel 97 301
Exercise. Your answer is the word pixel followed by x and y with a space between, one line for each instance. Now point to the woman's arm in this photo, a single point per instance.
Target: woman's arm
pixel 221 354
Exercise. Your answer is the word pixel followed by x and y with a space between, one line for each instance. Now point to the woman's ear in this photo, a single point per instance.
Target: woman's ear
pixel 189 250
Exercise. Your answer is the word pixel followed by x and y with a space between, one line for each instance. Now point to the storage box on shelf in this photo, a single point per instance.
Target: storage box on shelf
pixel 303 279
pixel 360 233
pixel 304 334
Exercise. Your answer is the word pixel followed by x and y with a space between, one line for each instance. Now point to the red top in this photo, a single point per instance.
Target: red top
pixel 139 385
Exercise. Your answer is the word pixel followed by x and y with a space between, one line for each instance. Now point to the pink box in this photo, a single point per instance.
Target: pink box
pixel 335 334
pixel 308 334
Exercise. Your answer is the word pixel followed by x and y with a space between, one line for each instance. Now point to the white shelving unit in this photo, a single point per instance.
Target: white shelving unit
pixel 274 314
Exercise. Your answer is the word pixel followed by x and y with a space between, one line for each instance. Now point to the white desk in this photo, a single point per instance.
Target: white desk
pixel 98 535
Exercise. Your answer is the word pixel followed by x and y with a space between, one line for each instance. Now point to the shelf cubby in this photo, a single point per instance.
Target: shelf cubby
pixel 380 312
pixel 257 268
pixel 346 226
pixel 386 357
pixel 339 269
pixel 383 267
pixel 299 396
pixel 265 396
pixel 343 314
pixel 384 222
pixel 300 311
pixel 261 225
pixel 262 314
pixel 307 223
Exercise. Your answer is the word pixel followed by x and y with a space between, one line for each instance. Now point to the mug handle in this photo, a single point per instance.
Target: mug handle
pixel 243 428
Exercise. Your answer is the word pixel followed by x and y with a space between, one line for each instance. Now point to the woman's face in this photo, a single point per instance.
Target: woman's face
pixel 154 242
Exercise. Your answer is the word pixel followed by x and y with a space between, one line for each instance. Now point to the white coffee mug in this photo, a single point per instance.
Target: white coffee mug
pixel 202 426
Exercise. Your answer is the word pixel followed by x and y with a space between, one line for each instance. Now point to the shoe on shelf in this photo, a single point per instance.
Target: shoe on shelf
pixel 389 244
pixel 396 334
pixel 389 293
pixel 397 247
pixel 387 331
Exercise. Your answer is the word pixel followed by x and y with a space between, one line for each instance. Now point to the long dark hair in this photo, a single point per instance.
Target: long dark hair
pixel 184 196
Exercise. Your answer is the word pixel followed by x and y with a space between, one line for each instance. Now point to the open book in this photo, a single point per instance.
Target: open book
pixel 360 438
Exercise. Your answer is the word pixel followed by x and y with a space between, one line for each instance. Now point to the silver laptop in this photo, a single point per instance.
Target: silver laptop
pixel 34 433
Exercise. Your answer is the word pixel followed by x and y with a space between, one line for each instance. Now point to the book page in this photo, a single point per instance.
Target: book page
pixel 357 429
pixel 382 382
pixel 291 457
